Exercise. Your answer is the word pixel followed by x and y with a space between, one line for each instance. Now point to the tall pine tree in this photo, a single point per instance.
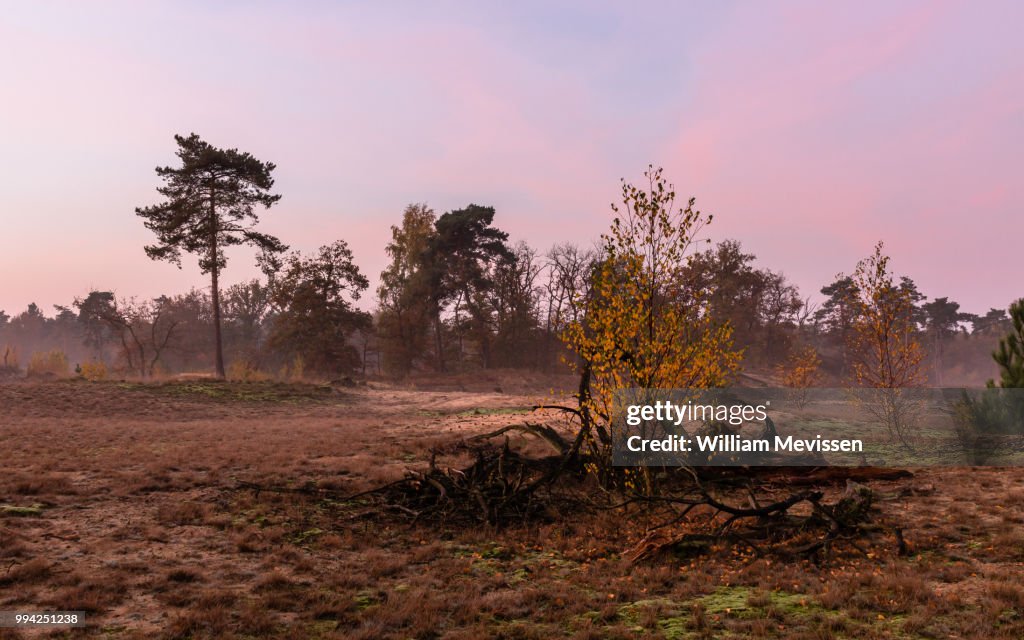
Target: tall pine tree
pixel 211 201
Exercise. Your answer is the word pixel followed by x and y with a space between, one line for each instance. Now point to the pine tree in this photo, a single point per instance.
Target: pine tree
pixel 210 205
pixel 1010 354
pixel 995 410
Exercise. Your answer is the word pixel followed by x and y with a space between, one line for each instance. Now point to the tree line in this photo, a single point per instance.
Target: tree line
pixel 456 295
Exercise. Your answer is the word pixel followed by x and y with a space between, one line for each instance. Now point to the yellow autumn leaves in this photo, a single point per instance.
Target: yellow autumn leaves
pixel 642 324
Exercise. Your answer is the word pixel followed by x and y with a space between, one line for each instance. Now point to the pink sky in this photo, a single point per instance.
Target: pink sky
pixel 811 130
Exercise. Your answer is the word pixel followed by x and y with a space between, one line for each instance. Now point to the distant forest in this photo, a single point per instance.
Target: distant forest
pixel 500 307
pixel 456 296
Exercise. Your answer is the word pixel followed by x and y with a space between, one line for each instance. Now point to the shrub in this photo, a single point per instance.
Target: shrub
pixel 801 371
pixel 159 371
pixel 245 371
pixel 296 372
pixel 93 371
pixel 48 363
pixel 9 362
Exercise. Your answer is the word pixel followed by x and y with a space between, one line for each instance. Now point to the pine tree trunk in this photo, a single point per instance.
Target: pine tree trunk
pixel 215 300
pixel 437 338
pixel 215 289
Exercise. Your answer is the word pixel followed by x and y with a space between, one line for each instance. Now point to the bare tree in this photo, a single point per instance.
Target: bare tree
pixel 144 329
pixel 568 267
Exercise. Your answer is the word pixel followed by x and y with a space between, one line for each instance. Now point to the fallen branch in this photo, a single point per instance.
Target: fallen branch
pixel 542 431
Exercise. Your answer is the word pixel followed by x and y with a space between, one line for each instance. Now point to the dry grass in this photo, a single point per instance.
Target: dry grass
pixel 130 510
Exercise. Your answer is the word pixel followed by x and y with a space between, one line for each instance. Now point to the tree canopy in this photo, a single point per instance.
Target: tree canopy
pixel 314 297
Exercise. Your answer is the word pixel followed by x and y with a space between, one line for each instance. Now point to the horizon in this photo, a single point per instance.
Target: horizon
pixel 807 145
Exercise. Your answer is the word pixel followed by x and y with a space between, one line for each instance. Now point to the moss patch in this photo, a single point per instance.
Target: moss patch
pixel 675 620
pixel 495 412
pixel 12 510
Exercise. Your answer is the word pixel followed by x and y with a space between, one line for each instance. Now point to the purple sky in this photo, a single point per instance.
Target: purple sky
pixel 810 130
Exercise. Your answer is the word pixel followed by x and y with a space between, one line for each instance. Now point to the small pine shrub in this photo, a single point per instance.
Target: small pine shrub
pixel 94 371
pixel 48 364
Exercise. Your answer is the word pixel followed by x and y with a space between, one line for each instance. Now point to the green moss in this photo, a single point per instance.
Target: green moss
pixel 675 618
pixel 518 576
pixel 727 600
pixel 495 412
pixel 737 601
pixel 675 628
pixel 550 560
pixel 366 598
pixel 486 566
pixel 307 536
pixel 495 550
pixel 673 621
pixel 12 510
